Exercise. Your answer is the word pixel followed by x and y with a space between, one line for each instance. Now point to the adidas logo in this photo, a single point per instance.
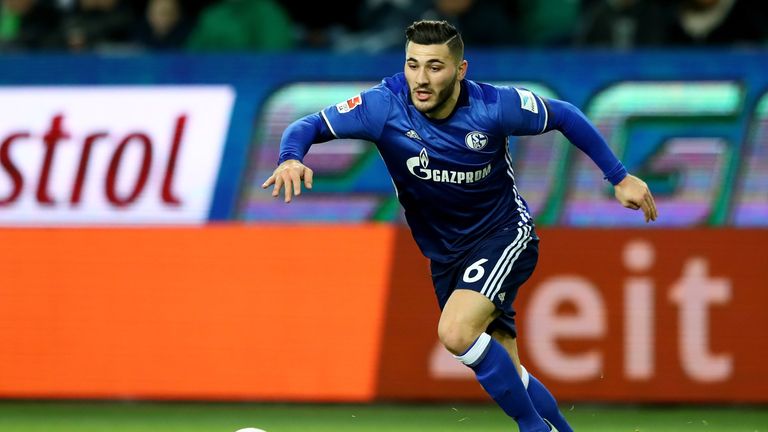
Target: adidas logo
pixel 413 135
pixel 501 296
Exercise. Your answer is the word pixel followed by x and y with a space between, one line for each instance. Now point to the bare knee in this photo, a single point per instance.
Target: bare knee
pixel 457 337
pixel 465 317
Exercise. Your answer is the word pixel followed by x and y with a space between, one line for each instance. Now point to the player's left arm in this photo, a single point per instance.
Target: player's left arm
pixel 630 191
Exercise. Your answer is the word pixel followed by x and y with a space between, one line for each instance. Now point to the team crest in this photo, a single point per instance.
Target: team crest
pixel 476 140
pixel 349 105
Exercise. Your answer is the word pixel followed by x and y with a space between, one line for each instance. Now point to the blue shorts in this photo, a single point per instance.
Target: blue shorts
pixel 495 268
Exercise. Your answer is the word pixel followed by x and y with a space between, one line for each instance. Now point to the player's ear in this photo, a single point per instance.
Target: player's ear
pixel 463 69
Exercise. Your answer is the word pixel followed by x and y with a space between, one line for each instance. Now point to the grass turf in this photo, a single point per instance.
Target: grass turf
pixel 27 416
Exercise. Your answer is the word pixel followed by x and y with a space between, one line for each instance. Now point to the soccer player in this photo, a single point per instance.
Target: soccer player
pixel 443 139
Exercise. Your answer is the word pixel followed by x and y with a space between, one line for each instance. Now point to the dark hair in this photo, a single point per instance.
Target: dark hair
pixel 426 32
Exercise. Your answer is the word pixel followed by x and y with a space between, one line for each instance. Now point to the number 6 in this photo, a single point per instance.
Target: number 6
pixel 476 267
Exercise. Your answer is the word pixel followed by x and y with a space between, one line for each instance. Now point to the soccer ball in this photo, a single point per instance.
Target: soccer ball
pixel 250 430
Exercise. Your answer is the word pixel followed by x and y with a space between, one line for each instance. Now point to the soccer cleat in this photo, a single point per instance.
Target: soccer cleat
pixel 552 428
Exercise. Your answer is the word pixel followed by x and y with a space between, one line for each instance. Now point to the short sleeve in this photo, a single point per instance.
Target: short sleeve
pixel 361 117
pixel 522 111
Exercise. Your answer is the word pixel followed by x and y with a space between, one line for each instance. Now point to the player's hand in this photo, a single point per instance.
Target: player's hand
pixel 634 193
pixel 289 175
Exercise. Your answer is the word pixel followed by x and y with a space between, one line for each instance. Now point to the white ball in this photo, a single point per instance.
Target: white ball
pixel 250 430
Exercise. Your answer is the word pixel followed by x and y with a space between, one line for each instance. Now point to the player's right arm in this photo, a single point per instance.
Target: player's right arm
pixel 360 117
pixel 289 174
pixel 294 145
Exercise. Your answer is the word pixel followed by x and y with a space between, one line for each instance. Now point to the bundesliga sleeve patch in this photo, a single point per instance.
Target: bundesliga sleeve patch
pixel 349 105
pixel 528 101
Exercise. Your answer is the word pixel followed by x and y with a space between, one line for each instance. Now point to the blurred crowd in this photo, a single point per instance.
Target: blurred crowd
pixel 372 26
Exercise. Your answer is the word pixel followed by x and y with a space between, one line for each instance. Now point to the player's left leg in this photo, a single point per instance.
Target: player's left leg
pixel 542 399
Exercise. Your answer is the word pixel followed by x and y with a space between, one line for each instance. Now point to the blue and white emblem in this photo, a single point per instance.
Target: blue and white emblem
pixel 476 140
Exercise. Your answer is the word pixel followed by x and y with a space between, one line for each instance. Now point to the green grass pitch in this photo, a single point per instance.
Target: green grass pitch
pixel 28 416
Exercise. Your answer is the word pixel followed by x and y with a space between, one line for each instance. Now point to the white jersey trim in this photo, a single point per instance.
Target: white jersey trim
pixel 328 123
pixel 484 291
pixel 509 260
pixel 505 263
pixel 524 215
pixel 546 114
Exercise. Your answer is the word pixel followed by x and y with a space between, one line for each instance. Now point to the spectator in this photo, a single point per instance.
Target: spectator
pixel 190 8
pixel 65 6
pixel 238 25
pixel 625 24
pixel 29 25
pixel 719 22
pixel 315 30
pixel 482 24
pixel 164 27
pixel 100 24
pixel 548 22
pixel 382 23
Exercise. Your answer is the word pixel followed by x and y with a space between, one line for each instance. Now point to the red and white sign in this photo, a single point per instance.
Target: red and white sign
pixel 110 155
pixel 672 315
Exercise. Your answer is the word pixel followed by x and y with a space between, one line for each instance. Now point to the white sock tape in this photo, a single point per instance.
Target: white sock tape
pixel 475 353
pixel 525 376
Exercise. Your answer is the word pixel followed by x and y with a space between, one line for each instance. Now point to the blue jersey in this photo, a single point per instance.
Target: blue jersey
pixel 453 177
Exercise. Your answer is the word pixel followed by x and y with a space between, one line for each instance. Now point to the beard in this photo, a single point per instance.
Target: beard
pixel 441 98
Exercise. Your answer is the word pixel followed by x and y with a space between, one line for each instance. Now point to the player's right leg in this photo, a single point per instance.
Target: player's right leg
pixel 475 292
pixel 461 330
pixel 542 399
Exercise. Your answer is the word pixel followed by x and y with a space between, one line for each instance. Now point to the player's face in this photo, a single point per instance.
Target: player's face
pixel 433 76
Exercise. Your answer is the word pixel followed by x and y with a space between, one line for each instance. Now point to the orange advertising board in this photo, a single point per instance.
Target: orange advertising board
pixel 347 313
pixel 609 315
pixel 228 312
